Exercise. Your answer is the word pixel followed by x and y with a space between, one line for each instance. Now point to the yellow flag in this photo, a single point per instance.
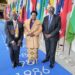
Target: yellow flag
pixel 52 2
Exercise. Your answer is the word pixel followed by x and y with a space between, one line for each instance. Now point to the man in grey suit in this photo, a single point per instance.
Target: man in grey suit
pixel 14 36
pixel 51 26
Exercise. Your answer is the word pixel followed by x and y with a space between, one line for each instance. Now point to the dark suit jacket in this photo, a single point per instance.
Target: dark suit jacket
pixel 54 27
pixel 10 27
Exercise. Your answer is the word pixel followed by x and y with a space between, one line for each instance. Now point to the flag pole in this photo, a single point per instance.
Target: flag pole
pixel 64 39
pixel 70 49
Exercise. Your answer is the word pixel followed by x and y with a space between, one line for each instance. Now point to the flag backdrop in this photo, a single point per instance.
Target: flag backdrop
pixel 24 8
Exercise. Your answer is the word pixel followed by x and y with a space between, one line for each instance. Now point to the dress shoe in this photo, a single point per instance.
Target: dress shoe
pixel 14 65
pixel 19 64
pixel 28 62
pixel 45 60
pixel 34 61
pixel 51 65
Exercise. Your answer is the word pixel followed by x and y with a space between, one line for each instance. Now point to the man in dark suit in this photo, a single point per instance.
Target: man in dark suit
pixel 51 26
pixel 14 36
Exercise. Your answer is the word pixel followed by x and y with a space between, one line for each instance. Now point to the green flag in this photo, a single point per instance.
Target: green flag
pixel 18 5
pixel 42 10
pixel 71 28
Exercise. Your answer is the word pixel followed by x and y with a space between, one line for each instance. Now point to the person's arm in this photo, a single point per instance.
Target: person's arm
pixel 21 34
pixel 21 31
pixel 26 31
pixel 11 40
pixel 43 25
pixel 36 33
pixel 57 27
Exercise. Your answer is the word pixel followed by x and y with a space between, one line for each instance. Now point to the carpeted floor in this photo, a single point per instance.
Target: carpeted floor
pixel 26 69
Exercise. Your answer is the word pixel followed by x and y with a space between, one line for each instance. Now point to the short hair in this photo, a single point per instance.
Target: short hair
pixel 52 8
pixel 34 12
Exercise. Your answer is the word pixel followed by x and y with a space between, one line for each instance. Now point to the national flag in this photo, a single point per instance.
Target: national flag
pixel 52 2
pixel 63 8
pixel 46 8
pixel 25 2
pixel 42 10
pixel 38 8
pixel 18 6
pixel 23 12
pixel 59 6
pixel 13 5
pixel 8 9
pixel 5 13
pixel 71 28
pixel 28 9
pixel 21 3
pixel 33 4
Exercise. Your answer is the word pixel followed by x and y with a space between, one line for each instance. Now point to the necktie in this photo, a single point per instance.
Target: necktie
pixel 49 21
pixel 16 29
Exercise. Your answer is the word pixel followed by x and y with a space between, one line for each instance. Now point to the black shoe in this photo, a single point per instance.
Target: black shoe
pixel 19 64
pixel 14 65
pixel 51 65
pixel 45 60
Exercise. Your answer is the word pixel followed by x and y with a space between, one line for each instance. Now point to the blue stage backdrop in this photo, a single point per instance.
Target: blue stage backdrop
pixel 26 69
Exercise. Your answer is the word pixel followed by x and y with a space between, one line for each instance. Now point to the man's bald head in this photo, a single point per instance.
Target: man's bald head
pixel 51 9
pixel 14 15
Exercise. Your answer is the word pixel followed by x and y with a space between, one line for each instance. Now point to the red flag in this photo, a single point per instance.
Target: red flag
pixel 24 14
pixel 67 7
pixel 33 4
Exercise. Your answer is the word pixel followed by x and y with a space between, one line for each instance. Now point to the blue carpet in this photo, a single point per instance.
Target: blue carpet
pixel 26 69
